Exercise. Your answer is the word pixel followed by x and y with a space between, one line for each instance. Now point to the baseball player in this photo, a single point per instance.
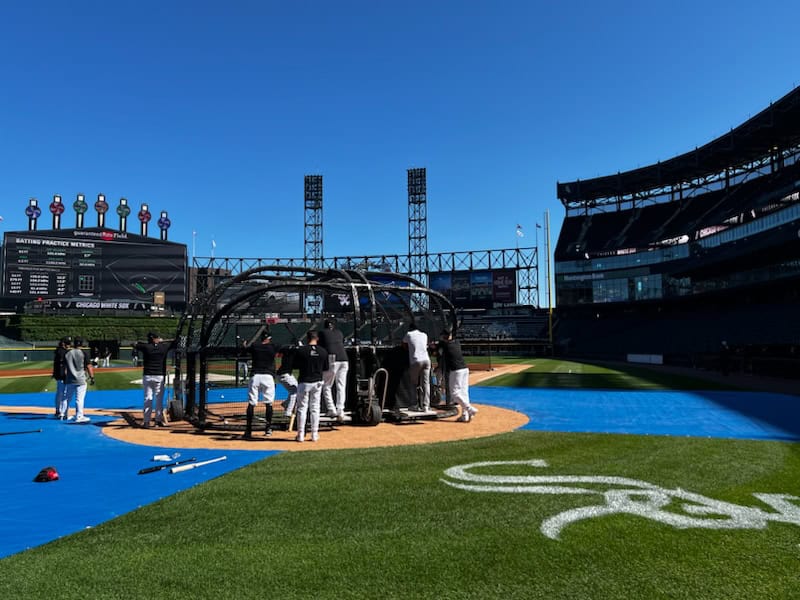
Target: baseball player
pixel 77 366
pixel 419 369
pixel 332 340
pixel 154 371
pixel 452 363
pixel 262 381
pixel 311 360
pixel 59 372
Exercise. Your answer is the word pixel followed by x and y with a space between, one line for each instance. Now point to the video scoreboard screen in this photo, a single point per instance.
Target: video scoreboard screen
pixel 94 263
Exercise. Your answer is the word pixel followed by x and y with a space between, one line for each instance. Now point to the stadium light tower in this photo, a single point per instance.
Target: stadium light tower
pixel 312 255
pixel 549 288
pixel 313 221
pixel 418 222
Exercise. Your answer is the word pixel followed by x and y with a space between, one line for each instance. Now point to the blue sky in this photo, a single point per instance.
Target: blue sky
pixel 214 111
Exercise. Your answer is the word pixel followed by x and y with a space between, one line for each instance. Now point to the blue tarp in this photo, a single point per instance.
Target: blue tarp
pixel 98 477
pixel 723 414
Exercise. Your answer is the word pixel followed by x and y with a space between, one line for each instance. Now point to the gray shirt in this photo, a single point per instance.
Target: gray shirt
pixel 75 362
pixel 417 342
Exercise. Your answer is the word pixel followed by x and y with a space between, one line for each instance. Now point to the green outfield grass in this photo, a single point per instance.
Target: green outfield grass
pixel 543 372
pixel 104 379
pixel 380 523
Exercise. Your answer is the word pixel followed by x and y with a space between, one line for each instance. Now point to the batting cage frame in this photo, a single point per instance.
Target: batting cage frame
pixel 372 309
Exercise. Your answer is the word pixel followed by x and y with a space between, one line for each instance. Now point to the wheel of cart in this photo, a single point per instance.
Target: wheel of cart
pixel 371 397
pixel 175 404
pixel 438 391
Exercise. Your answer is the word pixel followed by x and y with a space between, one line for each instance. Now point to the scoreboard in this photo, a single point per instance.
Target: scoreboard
pixel 93 264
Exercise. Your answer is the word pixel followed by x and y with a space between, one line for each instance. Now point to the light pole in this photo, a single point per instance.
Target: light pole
pixel 549 296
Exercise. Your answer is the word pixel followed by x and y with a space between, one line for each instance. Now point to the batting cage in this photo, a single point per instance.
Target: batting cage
pixel 372 310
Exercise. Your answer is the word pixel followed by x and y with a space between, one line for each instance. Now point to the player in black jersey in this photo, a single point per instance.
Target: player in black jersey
pixel 262 381
pixel 452 364
pixel 154 371
pixel 335 374
pixel 311 360
pixel 59 372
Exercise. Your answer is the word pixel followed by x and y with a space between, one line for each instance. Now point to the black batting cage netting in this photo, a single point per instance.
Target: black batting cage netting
pixel 372 310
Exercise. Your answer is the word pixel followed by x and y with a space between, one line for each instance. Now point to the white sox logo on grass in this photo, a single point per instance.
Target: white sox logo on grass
pixel 621 495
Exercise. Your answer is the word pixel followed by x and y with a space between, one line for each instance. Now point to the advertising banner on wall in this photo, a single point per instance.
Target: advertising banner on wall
pixel 476 289
pixel 504 286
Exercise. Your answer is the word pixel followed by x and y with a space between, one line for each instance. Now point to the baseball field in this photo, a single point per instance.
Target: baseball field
pixel 622 483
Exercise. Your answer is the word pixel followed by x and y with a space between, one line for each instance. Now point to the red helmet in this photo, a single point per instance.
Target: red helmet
pixel 46 474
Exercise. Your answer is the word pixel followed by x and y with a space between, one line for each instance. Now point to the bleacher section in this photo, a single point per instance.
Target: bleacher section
pixel 603 228
pixel 523 323
pixel 672 258
pixel 687 213
pixel 643 223
pixel 518 331
pixel 647 226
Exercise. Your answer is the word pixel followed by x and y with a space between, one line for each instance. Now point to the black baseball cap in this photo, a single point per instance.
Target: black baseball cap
pixel 152 335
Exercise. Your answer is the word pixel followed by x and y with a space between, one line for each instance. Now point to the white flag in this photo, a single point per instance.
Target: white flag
pixel 519 231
